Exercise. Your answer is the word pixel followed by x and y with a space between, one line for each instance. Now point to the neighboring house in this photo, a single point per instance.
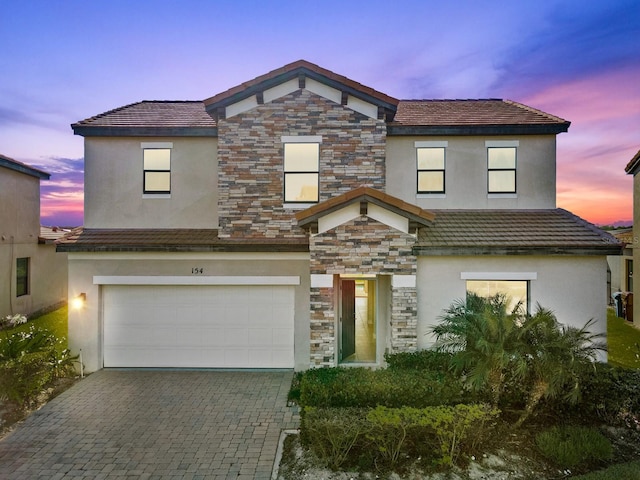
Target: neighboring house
pixel 632 168
pixel 33 277
pixel 621 266
pixel 302 219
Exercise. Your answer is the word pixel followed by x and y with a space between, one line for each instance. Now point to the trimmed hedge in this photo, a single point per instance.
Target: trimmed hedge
pixel 391 437
pixel 571 447
pixel 362 387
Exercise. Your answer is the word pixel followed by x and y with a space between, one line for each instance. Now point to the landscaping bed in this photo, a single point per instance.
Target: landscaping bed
pixel 423 417
pixel 35 364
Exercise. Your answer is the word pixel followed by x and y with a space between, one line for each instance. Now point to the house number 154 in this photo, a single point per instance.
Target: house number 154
pixel 197 270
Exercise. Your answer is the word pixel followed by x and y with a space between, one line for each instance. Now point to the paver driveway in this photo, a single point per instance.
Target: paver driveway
pixel 178 424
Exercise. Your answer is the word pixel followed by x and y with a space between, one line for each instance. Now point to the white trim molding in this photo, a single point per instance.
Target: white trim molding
pixel 431 144
pixel 403 281
pixel 193 280
pixel 321 281
pixel 156 145
pixel 301 138
pixel 498 275
pixel 502 143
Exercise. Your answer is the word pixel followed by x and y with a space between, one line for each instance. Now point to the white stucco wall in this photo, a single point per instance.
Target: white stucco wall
pixel 573 287
pixel 114 184
pixel 466 172
pixel 85 324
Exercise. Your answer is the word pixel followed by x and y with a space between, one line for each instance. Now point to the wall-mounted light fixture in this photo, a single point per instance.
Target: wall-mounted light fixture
pixel 79 301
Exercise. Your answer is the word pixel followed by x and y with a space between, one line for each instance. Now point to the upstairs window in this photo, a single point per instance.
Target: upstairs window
pixel 157 170
pixel 22 276
pixel 430 170
pixel 301 172
pixel 501 163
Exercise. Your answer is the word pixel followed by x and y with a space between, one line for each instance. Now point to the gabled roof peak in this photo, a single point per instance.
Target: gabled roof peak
pixel 299 68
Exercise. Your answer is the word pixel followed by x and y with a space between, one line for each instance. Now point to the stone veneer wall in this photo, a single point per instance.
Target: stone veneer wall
pixel 250 157
pixel 362 246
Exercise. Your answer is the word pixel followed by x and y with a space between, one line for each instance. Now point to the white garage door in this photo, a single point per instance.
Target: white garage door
pixel 198 326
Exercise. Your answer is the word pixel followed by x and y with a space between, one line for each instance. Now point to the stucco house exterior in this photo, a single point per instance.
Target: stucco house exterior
pixel 302 219
pixel 33 277
pixel 632 168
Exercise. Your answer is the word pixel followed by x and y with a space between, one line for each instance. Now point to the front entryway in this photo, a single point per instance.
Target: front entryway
pixel 357 320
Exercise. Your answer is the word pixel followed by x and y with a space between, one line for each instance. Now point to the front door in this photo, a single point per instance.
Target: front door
pixel 348 318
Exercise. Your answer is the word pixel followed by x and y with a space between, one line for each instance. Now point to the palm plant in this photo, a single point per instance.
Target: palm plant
pixel 491 343
pixel 485 337
pixel 556 355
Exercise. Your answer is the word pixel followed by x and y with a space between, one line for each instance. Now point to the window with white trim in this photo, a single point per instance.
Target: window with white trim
pixel 156 164
pixel 431 169
pixel 301 172
pixel 515 290
pixel 501 169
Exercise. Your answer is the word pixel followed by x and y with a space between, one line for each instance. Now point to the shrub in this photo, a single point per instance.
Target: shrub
pixel 333 433
pixel 424 360
pixel 30 358
pixel 612 394
pixel 361 387
pixel 387 436
pixel 23 378
pixel 571 447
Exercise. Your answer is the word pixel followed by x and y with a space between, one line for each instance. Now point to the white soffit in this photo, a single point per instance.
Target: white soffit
pixel 388 218
pixel 280 90
pixel 362 107
pixel 338 217
pixel 241 106
pixel 323 90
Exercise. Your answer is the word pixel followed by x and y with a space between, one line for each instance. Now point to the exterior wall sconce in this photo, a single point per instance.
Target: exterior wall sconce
pixel 79 301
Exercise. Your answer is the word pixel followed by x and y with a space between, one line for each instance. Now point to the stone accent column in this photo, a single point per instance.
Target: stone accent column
pixel 323 332
pixel 404 319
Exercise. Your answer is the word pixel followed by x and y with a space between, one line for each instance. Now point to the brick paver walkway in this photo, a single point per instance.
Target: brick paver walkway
pixel 141 424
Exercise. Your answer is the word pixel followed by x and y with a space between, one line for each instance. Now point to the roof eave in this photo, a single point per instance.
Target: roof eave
pixel 632 166
pixel 22 168
pixel 531 129
pixel 423 250
pixel 101 131
pixel 214 247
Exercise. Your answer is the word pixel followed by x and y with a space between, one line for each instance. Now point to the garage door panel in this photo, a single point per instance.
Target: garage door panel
pixel 198 326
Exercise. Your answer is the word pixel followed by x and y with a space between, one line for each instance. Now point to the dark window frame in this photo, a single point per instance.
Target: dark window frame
pixel 293 173
pixel 145 171
pixel 442 170
pixel 23 277
pixel 514 169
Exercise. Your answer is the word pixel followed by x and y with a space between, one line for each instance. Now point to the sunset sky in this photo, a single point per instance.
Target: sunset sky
pixel 63 61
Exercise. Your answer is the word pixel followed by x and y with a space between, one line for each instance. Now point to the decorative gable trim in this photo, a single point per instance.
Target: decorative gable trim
pixel 367 201
pixel 302 74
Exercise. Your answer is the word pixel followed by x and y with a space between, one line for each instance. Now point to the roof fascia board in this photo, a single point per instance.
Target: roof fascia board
pixel 245 248
pixel 494 251
pixel 18 167
pixel 408 130
pixel 97 131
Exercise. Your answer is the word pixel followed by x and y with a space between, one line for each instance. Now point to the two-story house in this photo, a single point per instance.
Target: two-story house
pixel 302 219
pixel 33 277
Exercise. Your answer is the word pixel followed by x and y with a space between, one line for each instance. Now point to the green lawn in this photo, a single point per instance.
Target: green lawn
pixel 623 340
pixel 626 471
pixel 56 322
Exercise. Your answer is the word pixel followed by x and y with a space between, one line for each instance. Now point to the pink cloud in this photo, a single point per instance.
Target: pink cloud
pixel 605 113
